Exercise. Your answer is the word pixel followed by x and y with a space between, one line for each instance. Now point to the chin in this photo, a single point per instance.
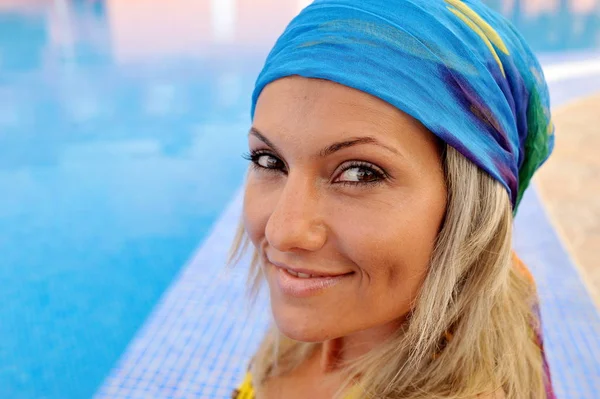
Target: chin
pixel 301 334
pixel 299 327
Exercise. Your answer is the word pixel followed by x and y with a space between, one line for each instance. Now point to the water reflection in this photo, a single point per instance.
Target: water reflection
pixel 554 25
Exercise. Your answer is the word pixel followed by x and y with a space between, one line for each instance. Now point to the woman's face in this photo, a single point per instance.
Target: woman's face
pixel 348 192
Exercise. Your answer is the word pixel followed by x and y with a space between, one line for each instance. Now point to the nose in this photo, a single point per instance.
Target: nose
pixel 296 223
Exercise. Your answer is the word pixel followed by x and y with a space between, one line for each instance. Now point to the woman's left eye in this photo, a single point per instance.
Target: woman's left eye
pixel 361 173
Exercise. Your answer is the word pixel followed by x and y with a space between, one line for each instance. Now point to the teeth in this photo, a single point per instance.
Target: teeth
pixel 299 275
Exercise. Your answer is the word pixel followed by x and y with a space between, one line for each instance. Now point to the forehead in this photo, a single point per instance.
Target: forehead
pixel 301 111
pixel 296 99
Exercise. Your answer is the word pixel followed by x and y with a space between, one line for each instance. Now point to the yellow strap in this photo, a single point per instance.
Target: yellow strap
pixel 245 390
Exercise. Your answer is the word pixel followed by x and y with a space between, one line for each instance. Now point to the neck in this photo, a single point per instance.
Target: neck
pixel 331 353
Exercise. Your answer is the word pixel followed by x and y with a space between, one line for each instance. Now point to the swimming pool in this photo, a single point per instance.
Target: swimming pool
pixel 122 127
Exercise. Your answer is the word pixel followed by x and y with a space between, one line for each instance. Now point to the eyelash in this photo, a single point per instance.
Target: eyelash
pixel 380 176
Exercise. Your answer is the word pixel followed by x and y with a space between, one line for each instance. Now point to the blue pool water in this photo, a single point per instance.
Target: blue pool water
pixel 111 174
pixel 122 126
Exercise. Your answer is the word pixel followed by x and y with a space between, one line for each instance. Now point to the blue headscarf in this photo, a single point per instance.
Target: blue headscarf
pixel 458 67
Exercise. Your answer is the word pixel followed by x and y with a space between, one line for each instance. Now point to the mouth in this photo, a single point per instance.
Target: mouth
pixel 312 275
pixel 302 285
pixel 306 273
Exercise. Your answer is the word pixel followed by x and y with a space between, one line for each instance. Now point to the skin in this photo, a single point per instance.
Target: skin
pixel 301 214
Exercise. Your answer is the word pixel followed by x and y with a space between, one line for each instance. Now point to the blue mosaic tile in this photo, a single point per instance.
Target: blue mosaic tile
pixel 571 322
pixel 197 342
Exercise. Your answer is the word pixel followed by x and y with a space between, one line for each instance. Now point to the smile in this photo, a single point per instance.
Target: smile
pixel 306 275
pixel 303 285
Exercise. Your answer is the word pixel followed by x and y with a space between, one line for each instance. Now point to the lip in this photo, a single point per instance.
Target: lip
pixel 307 271
pixel 298 287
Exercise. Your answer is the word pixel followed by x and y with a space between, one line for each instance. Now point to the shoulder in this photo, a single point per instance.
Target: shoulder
pixel 522 268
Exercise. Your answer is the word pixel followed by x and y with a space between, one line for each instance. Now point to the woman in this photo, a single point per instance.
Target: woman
pixel 391 144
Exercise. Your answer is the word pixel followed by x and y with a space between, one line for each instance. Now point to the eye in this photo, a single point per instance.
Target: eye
pixel 361 173
pixel 353 174
pixel 264 160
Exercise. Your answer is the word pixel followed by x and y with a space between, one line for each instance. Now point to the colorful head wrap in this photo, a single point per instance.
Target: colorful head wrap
pixel 458 67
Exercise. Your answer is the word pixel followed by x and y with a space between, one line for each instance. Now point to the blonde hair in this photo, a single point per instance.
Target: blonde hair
pixel 472 293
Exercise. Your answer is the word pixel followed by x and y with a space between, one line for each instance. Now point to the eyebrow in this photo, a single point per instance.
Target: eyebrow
pixel 333 147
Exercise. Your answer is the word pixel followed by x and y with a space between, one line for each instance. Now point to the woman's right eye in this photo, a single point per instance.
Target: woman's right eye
pixel 264 160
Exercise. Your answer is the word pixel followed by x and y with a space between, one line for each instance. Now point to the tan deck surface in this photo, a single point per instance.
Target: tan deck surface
pixel 569 183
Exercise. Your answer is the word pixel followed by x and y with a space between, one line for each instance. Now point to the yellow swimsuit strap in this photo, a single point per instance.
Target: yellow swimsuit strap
pixel 245 390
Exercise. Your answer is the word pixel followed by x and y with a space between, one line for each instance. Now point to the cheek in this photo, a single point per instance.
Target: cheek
pixel 393 268
pixel 260 200
pixel 390 238
pixel 393 250
pixel 254 212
